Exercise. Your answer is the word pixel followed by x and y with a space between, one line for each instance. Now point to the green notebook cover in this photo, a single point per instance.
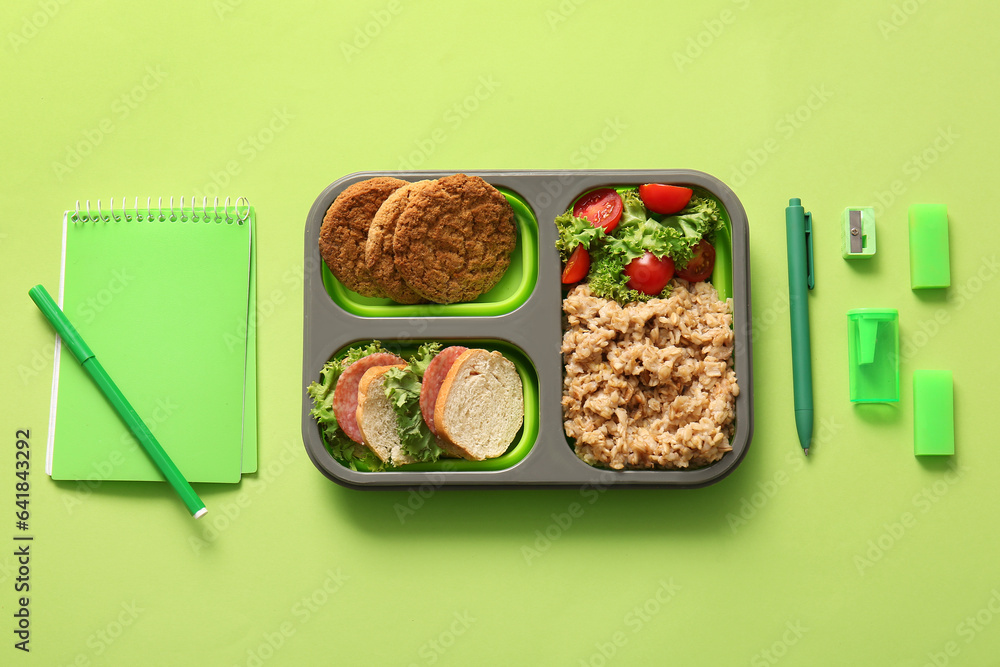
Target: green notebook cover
pixel 250 387
pixel 164 305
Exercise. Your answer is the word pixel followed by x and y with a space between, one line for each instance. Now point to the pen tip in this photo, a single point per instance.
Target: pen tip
pixel 806 450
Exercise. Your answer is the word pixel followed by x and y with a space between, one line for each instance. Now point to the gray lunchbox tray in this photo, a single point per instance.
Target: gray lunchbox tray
pixel 522 315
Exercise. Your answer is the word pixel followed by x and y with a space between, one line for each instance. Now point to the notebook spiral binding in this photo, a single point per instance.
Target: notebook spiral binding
pixel 190 214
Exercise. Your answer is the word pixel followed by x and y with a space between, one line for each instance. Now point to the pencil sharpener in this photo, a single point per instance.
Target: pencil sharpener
pixel 859 232
pixel 873 351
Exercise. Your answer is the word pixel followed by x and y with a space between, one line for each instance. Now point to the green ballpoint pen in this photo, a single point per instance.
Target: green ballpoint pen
pixel 801 278
pixel 71 337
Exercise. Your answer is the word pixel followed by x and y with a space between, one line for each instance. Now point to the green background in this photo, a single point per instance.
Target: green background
pixel 860 555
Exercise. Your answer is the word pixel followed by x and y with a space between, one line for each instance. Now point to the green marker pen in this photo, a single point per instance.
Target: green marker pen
pixel 801 279
pixel 71 337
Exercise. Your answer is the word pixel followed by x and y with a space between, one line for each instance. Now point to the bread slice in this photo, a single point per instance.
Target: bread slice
pixel 377 419
pixel 481 405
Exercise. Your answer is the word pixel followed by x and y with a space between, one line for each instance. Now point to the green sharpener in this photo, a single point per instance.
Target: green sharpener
pixel 858 225
pixel 933 413
pixel 929 263
pixel 873 348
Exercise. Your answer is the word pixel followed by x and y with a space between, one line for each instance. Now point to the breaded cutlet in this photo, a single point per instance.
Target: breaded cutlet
pixel 454 239
pixel 344 233
pixel 379 255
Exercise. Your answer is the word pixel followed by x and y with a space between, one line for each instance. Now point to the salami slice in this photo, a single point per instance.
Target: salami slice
pixel 345 395
pixel 434 377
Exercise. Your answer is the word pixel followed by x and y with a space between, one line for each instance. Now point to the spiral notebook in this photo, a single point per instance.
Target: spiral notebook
pixel 166 299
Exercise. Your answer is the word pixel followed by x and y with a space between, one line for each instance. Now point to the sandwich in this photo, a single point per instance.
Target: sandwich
pixel 377 410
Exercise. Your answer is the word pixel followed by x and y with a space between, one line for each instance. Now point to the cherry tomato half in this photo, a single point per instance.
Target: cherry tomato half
pixel 577 266
pixel 649 274
pixel 603 208
pixel 664 199
pixel 701 265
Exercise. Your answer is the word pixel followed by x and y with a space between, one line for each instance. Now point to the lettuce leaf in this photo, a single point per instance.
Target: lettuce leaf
pixel 402 388
pixel 674 236
pixel 636 234
pixel 607 280
pixel 422 359
pixel 701 218
pixel 574 232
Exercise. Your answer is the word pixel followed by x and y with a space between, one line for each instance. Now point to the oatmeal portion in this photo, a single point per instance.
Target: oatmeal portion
pixel 649 385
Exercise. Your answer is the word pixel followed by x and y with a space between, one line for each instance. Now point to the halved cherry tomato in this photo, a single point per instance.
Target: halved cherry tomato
pixel 701 265
pixel 649 274
pixel 603 208
pixel 577 266
pixel 664 199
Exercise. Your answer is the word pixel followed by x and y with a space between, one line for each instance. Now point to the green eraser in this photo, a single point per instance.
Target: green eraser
pixel 929 263
pixel 858 232
pixel 933 413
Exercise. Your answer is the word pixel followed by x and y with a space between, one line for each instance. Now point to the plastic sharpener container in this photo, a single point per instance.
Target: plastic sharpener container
pixel 873 349
pixel 933 413
pixel 930 266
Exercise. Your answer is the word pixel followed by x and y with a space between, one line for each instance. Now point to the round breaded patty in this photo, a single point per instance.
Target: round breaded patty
pixel 453 240
pixel 344 232
pixel 380 260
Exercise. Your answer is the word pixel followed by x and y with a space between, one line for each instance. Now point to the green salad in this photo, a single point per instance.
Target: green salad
pixel 628 244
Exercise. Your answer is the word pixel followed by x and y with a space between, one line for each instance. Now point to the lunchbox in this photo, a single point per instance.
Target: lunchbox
pixel 522 318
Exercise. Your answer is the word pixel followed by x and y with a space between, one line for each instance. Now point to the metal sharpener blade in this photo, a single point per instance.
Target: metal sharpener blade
pixel 855 219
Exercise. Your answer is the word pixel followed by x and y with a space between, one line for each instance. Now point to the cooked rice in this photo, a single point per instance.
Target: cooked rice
pixel 650 385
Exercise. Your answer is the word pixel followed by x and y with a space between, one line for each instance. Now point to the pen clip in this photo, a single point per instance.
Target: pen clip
pixel 810 272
